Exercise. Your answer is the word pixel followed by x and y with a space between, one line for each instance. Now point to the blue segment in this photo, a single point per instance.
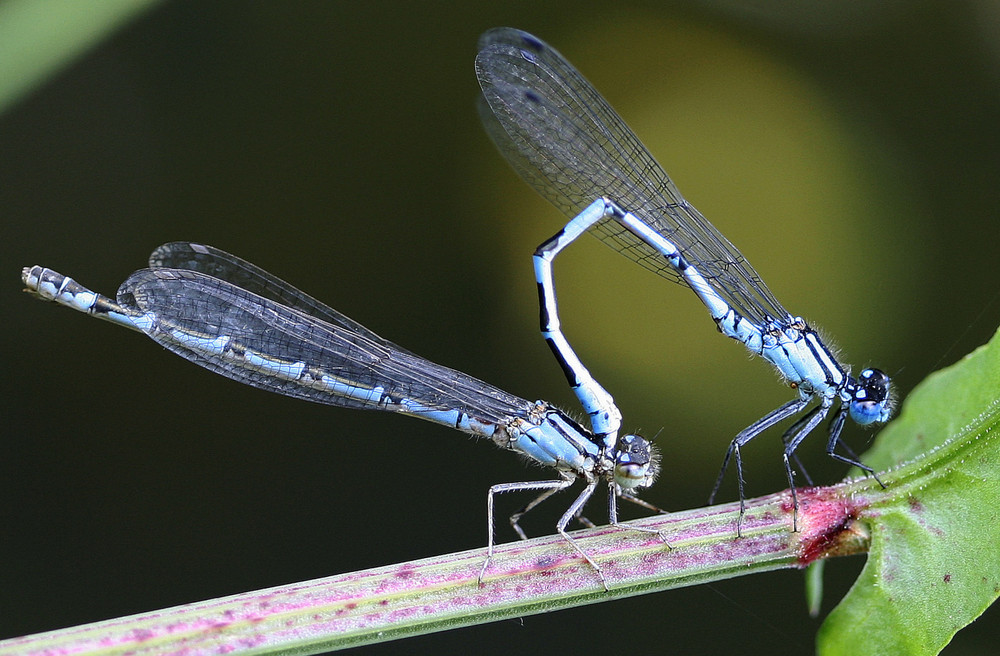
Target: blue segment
pixel 215 346
pixel 557 443
pixel 565 140
pixel 53 286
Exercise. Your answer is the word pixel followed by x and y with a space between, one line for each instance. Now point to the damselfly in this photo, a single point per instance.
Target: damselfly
pixel 237 320
pixel 565 140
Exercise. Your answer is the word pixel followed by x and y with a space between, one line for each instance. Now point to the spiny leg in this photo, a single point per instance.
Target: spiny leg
pixel 515 519
pixel 812 419
pixel 792 407
pixel 568 516
pixel 613 513
pixel 786 438
pixel 575 511
pixel 642 503
pixel 851 459
pixel 613 496
pixel 548 489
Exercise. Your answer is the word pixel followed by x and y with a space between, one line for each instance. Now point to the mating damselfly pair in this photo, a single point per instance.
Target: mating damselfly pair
pixel 559 133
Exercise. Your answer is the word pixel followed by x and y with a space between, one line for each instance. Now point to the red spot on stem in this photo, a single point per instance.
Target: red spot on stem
pixel 828 524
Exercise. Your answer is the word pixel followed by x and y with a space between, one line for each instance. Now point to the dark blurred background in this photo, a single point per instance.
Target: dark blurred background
pixel 849 151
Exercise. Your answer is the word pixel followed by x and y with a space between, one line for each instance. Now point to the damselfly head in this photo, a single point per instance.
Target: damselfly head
pixel 870 401
pixel 637 463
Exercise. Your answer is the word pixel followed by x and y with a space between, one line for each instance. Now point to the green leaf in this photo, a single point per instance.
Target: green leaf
pixel 933 566
pixel 814 587
pixel 38 38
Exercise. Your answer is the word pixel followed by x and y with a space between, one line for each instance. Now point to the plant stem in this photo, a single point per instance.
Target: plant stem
pixel 523 578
